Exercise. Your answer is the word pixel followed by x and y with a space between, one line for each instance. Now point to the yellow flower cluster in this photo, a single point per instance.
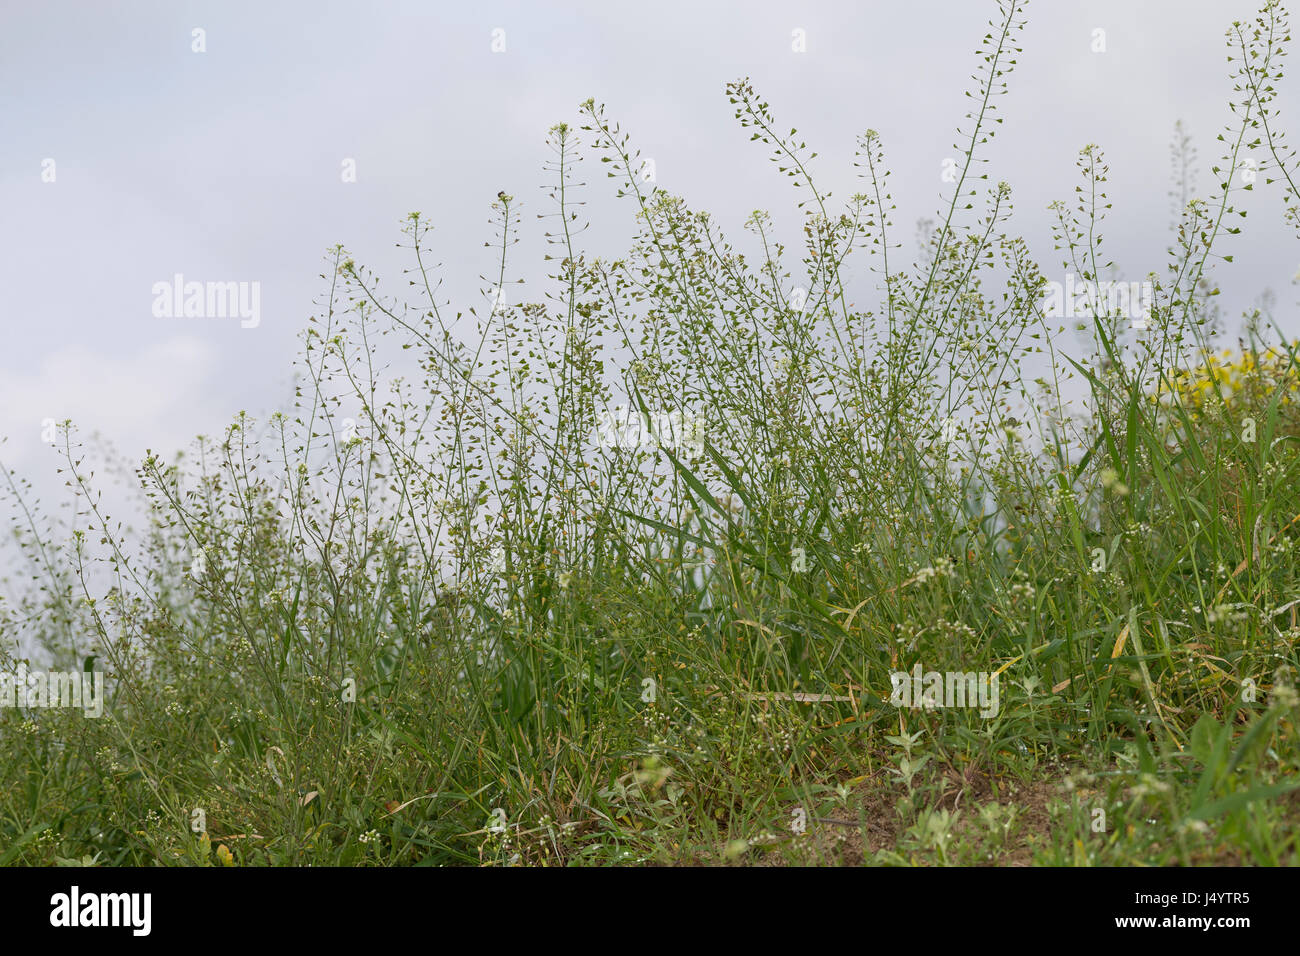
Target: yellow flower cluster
pixel 1237 377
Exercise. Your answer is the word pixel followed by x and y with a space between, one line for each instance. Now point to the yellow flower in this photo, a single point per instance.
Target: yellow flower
pixel 1233 379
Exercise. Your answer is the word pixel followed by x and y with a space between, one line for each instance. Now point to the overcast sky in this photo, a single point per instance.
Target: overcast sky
pixel 227 164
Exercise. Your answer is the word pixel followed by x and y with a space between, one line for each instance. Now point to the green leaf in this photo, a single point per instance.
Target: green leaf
pixel 1236 801
pixel 11 854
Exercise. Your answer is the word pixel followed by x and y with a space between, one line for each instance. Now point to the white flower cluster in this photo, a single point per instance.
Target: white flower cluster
pixel 942 568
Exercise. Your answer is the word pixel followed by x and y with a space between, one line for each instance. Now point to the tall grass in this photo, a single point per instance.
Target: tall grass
pixel 469 612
